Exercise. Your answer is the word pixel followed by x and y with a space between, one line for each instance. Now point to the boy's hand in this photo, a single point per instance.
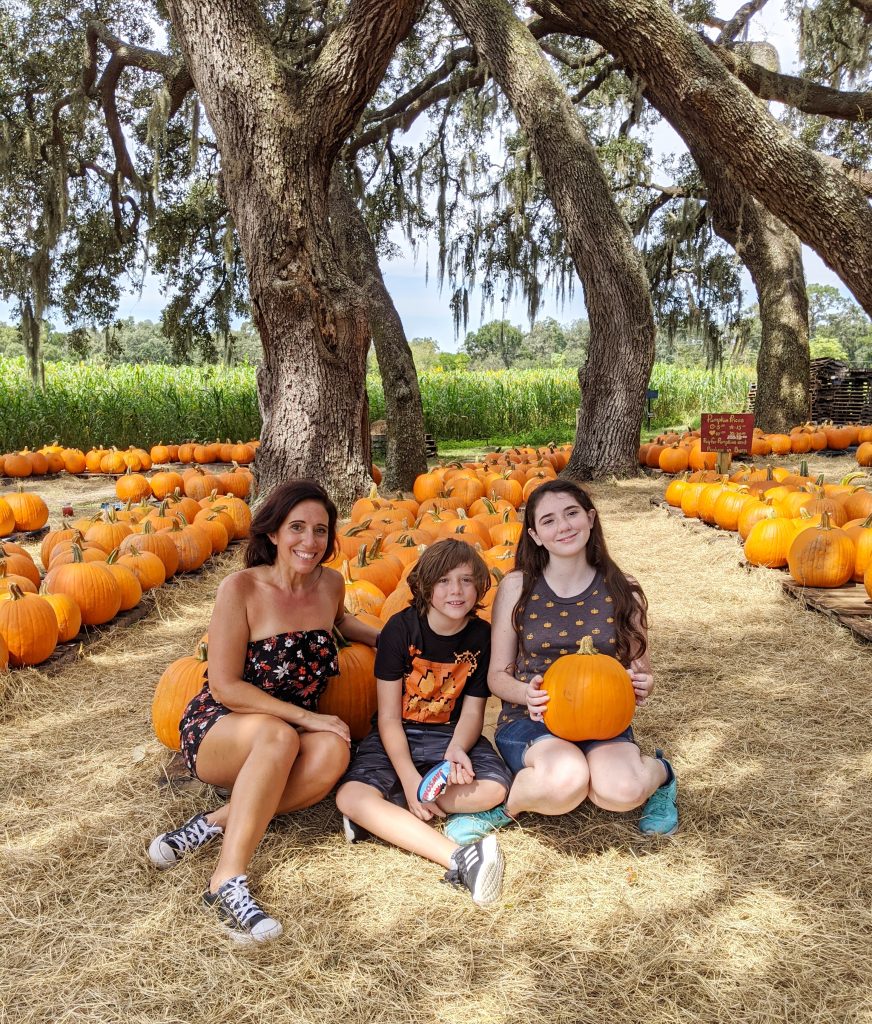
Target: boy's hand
pixel 426 812
pixel 461 767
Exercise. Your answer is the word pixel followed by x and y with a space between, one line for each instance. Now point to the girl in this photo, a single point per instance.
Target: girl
pixel 566 587
pixel 255 728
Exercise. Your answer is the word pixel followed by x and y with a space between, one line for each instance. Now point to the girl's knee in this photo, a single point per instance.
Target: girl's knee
pixel 620 792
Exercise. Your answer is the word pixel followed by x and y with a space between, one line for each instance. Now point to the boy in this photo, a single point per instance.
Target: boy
pixel 431 670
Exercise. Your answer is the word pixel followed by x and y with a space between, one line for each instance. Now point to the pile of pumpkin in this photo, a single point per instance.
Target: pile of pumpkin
pixel 55 458
pixel 821 531
pixel 676 453
pixel 475 502
pixel 196 483
pixel 97 567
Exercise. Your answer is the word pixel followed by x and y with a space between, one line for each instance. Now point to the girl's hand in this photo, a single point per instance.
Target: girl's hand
pixel 314 722
pixel 461 767
pixel 537 700
pixel 643 683
pixel 425 812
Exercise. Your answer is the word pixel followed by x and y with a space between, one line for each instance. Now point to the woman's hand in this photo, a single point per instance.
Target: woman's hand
pixel 537 699
pixel 314 722
pixel 425 812
pixel 461 767
pixel 643 682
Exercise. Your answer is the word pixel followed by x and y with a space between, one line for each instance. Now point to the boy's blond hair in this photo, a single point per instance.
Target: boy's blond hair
pixel 440 558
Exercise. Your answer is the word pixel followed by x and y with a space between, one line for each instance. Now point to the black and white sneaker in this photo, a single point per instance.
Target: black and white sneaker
pixel 243 918
pixel 478 867
pixel 354 833
pixel 168 848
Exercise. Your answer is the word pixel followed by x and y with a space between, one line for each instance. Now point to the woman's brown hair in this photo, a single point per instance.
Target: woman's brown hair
pixel 440 558
pixel 273 512
pixel 630 604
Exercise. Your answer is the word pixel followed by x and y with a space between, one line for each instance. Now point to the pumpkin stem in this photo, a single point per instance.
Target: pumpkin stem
pixel 585 645
pixel 202 652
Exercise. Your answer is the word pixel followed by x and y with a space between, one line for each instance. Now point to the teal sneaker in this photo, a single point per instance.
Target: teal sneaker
pixel 465 829
pixel 660 813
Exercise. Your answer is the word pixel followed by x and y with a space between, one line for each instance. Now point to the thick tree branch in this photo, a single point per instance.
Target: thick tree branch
pixel 594 83
pixel 353 62
pixel 740 19
pixel 722 122
pixel 865 8
pixel 402 103
pixel 862 179
pixel 570 60
pixel 806 96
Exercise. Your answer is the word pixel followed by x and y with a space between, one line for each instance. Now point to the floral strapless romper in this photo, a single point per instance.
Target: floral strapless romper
pixel 294 667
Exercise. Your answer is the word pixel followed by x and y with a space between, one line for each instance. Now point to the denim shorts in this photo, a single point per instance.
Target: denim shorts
pixel 515 739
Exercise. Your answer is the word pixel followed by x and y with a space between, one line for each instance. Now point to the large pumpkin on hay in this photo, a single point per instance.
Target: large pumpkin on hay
pixel 351 695
pixel 182 681
pixel 591 695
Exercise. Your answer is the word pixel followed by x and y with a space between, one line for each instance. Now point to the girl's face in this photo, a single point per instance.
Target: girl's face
pixel 562 525
pixel 301 540
pixel 454 595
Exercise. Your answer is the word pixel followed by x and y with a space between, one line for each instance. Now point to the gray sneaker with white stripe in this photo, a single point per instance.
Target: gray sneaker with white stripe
pixel 479 868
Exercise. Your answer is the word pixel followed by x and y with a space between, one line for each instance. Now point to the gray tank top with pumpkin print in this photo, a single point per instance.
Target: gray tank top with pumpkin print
pixel 553 626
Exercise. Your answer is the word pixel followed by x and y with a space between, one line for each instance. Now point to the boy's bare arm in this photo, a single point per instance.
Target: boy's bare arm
pixel 393 737
pixel 466 733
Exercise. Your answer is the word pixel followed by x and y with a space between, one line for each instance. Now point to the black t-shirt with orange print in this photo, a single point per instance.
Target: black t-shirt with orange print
pixel 437 671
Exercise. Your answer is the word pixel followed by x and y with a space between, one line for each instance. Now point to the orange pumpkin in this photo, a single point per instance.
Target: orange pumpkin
pixel 28 627
pixel 351 695
pixel 182 680
pixel 822 556
pixel 591 696
pixel 90 584
pixel 67 613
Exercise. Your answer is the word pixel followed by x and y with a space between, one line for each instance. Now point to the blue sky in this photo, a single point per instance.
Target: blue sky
pixel 425 311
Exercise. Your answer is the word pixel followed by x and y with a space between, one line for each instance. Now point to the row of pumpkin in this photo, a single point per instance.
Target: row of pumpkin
pixel 376 550
pixel 55 458
pixel 822 532
pixel 675 453
pixel 19 512
pixel 97 567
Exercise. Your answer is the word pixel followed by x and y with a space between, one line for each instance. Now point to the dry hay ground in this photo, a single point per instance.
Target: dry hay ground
pixel 757 910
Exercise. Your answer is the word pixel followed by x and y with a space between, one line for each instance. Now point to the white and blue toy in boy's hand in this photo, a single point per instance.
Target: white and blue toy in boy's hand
pixel 434 782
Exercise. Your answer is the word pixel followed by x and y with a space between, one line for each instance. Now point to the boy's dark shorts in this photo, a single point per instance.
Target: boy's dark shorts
pixel 372 766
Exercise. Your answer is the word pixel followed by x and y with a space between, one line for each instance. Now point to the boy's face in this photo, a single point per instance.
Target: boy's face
pixel 455 594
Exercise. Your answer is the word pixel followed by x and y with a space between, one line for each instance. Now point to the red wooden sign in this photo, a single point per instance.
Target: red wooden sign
pixel 727 431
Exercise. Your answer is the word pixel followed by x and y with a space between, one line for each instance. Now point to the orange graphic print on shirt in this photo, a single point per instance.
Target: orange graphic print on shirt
pixel 432 688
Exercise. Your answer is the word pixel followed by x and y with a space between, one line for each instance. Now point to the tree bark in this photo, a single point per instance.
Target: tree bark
pixel 278 129
pixel 728 126
pixel 621 352
pixel 31 337
pixel 773 255
pixel 406 456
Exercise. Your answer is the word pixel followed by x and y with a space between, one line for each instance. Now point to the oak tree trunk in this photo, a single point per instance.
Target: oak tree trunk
pixel 621 350
pixel 773 255
pixel 278 129
pixel 727 126
pixel 406 457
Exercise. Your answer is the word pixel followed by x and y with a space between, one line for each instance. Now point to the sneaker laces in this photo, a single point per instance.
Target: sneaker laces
pixel 659 800
pixel 236 897
pixel 192 834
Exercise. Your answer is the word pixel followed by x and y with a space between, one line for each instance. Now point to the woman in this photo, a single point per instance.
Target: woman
pixel 255 727
pixel 565 587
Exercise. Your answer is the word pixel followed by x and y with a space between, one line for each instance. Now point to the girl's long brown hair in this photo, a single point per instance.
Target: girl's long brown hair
pixel 630 604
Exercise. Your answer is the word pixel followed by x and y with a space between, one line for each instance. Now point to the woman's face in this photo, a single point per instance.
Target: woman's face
pixel 562 525
pixel 301 540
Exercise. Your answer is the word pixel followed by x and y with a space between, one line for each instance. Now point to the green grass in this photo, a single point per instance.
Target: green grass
pixel 85 405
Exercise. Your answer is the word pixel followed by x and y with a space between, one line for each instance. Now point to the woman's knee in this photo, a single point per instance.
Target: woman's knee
pixel 276 739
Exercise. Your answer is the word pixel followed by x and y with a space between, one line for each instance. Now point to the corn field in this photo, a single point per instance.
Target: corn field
pixel 85 405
